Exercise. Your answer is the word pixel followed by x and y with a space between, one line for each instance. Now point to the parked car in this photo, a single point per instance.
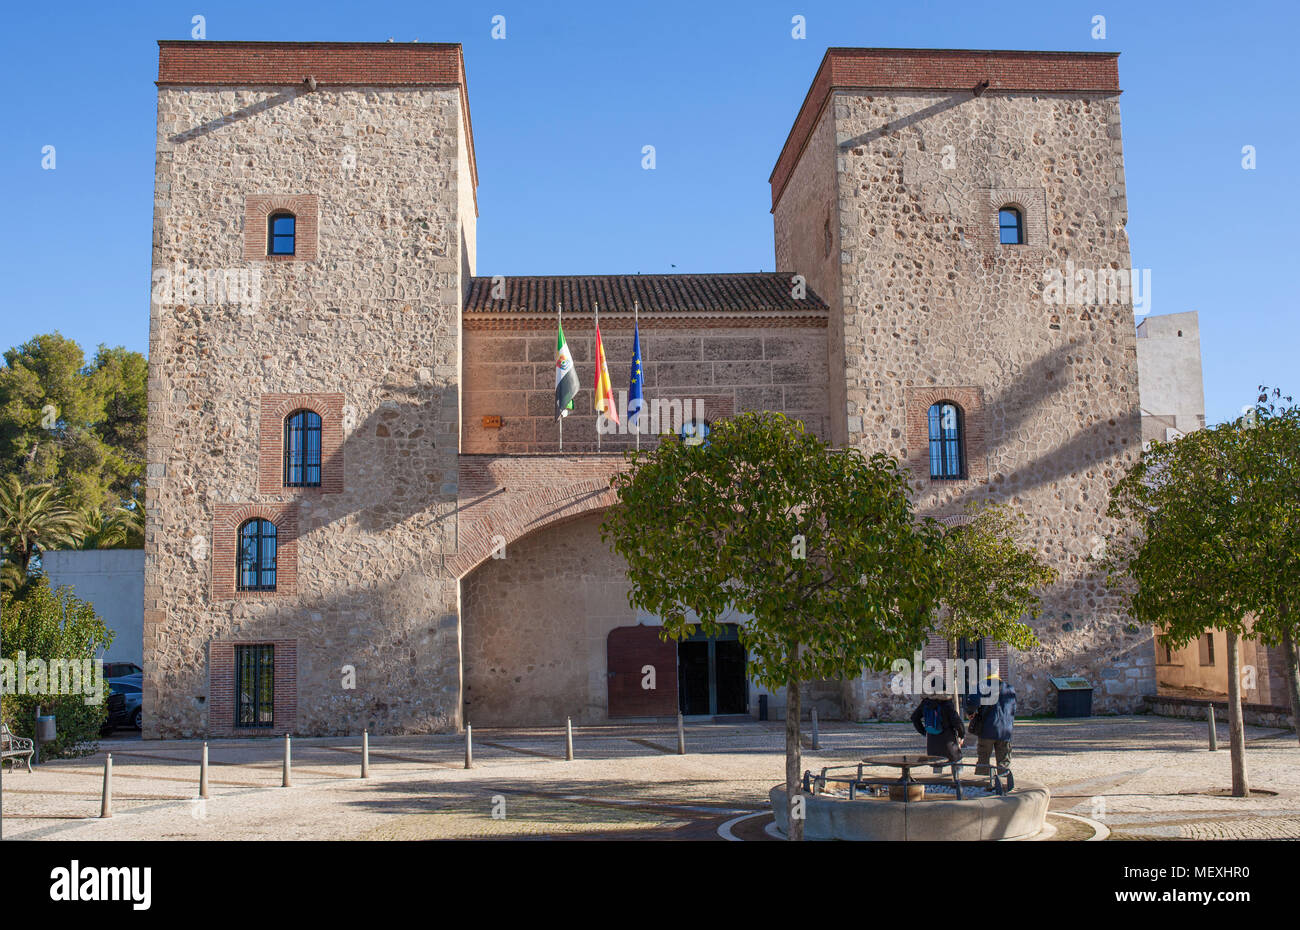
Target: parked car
pixel 125 696
pixel 121 669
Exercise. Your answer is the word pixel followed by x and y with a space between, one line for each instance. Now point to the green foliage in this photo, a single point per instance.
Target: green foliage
pixel 713 528
pixel 79 427
pixel 990 581
pixel 1214 528
pixel 50 625
pixel 119 528
pixel 33 518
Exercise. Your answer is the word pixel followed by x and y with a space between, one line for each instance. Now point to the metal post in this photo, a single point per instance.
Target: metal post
pixel 203 773
pixel 681 735
pixel 816 739
pixel 286 782
pixel 568 739
pixel 106 802
pixel 365 753
pixel 1214 736
pixel 36 734
pixel 469 746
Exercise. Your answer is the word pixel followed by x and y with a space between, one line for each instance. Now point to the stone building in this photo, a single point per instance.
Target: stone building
pixel 1173 404
pixel 359 510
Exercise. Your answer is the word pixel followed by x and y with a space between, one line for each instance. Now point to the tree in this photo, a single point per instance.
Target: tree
pixel 819 546
pixel 33 518
pixel 48 626
pixel 990 581
pixel 80 427
pixel 112 529
pixel 1212 538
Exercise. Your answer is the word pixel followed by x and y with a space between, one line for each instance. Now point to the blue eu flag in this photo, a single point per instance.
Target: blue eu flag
pixel 634 390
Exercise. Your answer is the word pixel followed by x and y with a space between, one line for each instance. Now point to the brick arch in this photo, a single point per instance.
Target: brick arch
pixel 970 401
pixel 226 521
pixel 513 515
pixel 274 408
pixel 306 212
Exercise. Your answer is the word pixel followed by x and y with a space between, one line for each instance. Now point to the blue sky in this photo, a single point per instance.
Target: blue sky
pixel 563 105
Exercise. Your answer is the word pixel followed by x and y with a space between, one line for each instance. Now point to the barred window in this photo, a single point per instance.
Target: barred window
pixel 281 236
pixel 947 442
pixel 302 450
pixel 254 686
pixel 257 544
pixel 1011 226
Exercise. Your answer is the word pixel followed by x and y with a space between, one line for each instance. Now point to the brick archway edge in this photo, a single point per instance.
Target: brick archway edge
pixel 522 495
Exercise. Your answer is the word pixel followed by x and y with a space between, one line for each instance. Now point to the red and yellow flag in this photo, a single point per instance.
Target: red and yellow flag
pixel 604 393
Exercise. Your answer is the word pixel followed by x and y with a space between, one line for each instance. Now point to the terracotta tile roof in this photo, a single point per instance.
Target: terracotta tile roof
pixel 767 292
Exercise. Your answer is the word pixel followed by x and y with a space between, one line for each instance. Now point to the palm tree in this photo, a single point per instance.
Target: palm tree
pixel 33 518
pixel 104 529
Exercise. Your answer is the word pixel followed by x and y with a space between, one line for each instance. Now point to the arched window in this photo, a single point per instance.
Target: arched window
pixel 302 450
pixel 281 234
pixel 947 442
pixel 1011 226
pixel 257 555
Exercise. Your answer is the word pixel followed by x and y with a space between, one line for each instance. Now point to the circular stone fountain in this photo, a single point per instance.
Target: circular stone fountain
pixel 981 814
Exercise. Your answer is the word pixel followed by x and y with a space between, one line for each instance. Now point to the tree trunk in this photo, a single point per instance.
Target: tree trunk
pixel 1236 726
pixel 1292 678
pixel 793 761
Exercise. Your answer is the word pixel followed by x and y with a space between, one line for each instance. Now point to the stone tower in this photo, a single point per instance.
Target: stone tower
pixel 888 197
pixel 351 313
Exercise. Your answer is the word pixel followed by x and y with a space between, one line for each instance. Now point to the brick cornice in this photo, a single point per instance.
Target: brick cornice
pixel 576 322
pixel 929 69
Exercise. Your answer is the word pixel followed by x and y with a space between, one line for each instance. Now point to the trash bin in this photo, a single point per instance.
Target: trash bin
pixel 762 707
pixel 1073 697
pixel 45 729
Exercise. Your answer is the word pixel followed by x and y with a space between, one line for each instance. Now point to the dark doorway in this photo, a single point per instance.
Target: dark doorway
pixel 711 674
pixel 966 650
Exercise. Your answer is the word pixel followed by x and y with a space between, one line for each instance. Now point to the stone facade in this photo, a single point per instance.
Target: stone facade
pixel 915 167
pixel 435 387
pixel 373 316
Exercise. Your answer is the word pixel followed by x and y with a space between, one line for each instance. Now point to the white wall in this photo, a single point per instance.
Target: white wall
pixel 113 581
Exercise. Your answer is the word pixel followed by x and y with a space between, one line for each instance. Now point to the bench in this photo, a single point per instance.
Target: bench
pixel 14 747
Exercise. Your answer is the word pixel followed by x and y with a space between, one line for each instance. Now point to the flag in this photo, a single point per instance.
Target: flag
pixel 634 391
pixel 566 378
pixel 604 392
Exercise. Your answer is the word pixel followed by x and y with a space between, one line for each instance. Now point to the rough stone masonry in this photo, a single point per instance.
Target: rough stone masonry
pixel 430 389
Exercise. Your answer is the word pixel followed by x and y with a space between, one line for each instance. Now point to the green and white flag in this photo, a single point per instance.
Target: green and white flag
pixel 566 378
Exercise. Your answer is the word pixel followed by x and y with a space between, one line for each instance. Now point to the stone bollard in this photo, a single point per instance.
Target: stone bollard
pixel 568 739
pixel 286 782
pixel 203 773
pixel 469 746
pixel 1214 736
pixel 365 753
pixel 816 736
pixel 681 735
pixel 106 801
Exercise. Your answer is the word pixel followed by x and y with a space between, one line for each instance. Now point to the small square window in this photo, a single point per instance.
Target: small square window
pixel 281 234
pixel 1011 226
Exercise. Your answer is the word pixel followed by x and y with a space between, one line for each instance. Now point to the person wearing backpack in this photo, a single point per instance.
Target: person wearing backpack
pixel 936 719
pixel 992 723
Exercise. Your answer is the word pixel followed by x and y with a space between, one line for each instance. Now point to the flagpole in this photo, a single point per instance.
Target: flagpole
pixel 594 347
pixel 559 322
pixel 636 304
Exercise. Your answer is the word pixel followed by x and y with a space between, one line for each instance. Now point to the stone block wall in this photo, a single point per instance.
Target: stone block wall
pixel 372 320
pixel 930 301
pixel 510 373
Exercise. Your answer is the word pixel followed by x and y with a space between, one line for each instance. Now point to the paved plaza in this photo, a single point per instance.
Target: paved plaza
pixel 1114 778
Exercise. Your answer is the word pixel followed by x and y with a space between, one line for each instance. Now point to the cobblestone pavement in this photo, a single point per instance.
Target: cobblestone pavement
pixel 1142 777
